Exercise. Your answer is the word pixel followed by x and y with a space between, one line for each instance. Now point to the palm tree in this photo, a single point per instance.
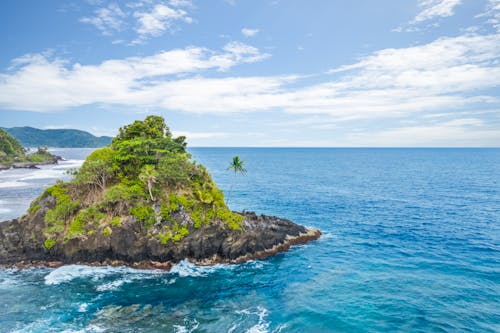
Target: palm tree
pixel 149 176
pixel 237 166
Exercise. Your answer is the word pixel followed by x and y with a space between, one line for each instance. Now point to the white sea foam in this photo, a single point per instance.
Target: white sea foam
pixel 89 329
pixel 262 325
pixel 185 268
pixel 188 327
pixel 55 171
pixel 4 210
pixel 67 273
pixel 68 164
pixel 83 307
pixel 13 184
pixel 112 285
pixel 43 174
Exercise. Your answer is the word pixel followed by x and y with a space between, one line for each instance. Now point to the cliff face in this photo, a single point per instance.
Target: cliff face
pixel 142 202
pixel 132 243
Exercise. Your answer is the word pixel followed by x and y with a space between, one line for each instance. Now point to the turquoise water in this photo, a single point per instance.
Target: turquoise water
pixel 411 243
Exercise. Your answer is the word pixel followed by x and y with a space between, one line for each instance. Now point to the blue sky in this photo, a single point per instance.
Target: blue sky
pixel 258 73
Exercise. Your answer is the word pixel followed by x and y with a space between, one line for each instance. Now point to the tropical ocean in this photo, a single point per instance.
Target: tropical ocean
pixel 411 243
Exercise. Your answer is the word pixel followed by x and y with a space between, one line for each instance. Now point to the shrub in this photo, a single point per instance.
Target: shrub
pixel 76 228
pixel 33 209
pixel 49 243
pixel 124 192
pixel 232 220
pixel 115 222
pixel 55 219
pixel 144 214
pixel 86 218
pixel 173 233
pixel 183 232
pixel 107 231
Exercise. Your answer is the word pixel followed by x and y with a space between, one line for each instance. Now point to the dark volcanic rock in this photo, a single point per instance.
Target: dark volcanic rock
pixel 22 242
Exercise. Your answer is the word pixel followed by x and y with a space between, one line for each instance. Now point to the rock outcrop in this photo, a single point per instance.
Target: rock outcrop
pixel 22 243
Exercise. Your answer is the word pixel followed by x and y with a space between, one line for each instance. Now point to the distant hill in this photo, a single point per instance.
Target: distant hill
pixel 64 138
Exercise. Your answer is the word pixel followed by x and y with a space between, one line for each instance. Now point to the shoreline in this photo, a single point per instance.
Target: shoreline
pixel 303 238
pixel 29 165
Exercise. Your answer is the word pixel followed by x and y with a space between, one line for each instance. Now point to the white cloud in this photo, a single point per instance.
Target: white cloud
pixel 445 76
pixel 148 18
pixel 107 19
pixel 435 8
pixel 160 18
pixel 431 9
pixel 181 3
pixel 493 14
pixel 247 32
pixel 134 81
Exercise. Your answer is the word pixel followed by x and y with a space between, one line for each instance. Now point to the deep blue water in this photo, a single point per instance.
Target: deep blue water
pixel 411 243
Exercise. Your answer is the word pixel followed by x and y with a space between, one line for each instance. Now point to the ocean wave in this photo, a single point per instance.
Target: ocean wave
pixel 43 174
pixel 187 269
pixel 47 324
pixel 83 307
pixel 113 285
pixel 67 164
pixel 52 171
pixel 125 274
pixel 262 325
pixel 68 273
pixel 188 327
pixel 92 328
pixel 13 184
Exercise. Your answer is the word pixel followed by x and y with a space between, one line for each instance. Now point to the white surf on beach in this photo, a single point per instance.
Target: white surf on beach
pixel 19 187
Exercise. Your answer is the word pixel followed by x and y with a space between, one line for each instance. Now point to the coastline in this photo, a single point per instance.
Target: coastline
pixel 311 234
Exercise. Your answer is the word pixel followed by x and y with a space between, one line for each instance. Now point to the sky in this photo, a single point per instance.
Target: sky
pixel 280 73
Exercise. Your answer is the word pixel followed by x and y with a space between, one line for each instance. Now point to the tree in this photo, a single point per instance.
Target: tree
pixel 175 169
pixel 144 142
pixel 237 166
pixel 153 127
pixel 98 168
pixel 149 176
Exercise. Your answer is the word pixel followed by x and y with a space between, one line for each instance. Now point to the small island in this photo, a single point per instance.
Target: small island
pixel 13 155
pixel 142 202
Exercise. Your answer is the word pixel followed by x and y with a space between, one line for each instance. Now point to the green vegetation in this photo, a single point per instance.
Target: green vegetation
pixel 97 169
pixel 65 138
pixel 107 231
pixel 144 214
pixel 116 222
pixel 87 219
pixel 11 151
pixel 40 156
pixel 145 173
pixel 49 243
pixel 173 233
pixel 56 218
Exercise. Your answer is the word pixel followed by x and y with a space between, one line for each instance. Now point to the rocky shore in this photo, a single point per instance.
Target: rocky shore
pixel 130 244
pixel 30 165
